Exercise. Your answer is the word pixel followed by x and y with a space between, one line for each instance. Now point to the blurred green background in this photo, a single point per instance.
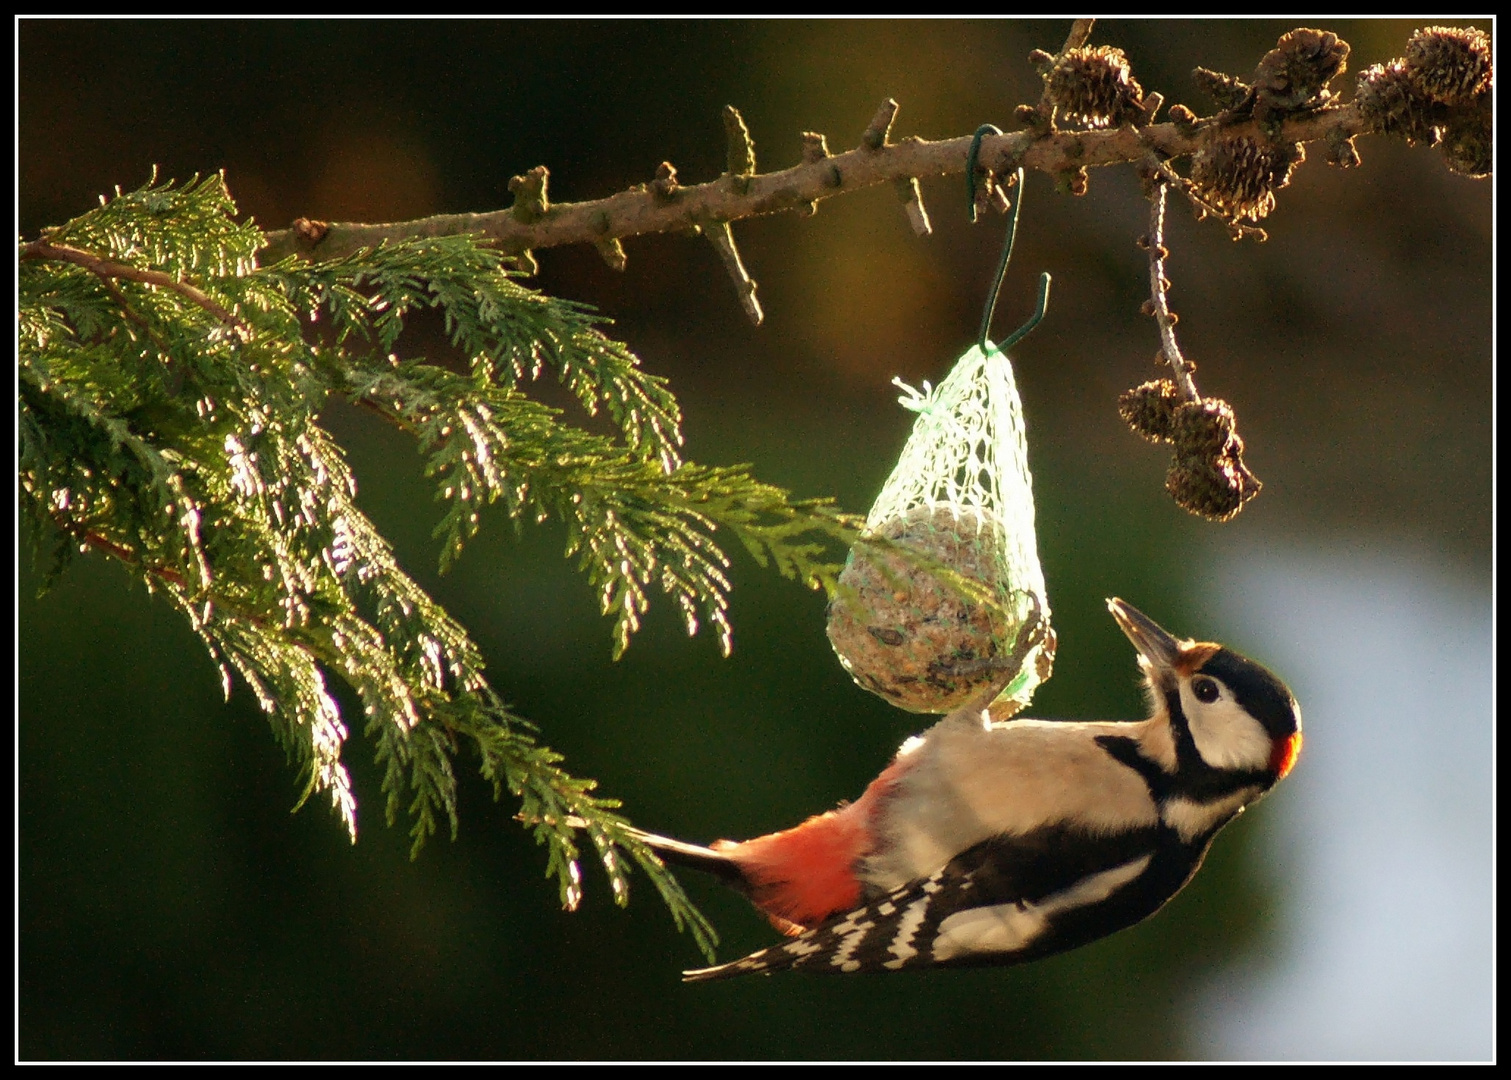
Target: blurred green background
pixel 171 907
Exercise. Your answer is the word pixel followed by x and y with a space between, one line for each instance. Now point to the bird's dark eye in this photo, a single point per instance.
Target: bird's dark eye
pixel 1206 690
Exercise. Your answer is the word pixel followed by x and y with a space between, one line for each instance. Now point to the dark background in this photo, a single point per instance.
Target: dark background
pixel 171 907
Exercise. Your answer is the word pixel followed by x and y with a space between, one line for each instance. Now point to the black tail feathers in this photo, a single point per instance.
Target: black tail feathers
pixel 694 857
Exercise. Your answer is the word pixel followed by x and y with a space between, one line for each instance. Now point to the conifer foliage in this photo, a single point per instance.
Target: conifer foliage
pixel 170 395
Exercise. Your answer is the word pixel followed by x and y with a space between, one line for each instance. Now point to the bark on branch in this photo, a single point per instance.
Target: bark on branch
pixel 108 270
pixel 658 207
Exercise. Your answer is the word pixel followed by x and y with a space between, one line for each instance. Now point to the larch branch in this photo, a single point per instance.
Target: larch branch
pixel 663 205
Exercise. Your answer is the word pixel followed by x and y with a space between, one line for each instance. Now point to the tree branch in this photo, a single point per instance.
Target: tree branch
pixel 659 207
pixel 107 269
pixel 1159 302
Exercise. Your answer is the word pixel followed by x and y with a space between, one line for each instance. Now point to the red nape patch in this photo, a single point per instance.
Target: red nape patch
pixel 1287 750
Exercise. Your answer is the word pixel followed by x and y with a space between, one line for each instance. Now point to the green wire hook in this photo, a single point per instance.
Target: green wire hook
pixel 971 160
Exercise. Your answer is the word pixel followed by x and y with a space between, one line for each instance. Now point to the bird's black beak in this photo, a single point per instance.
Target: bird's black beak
pixel 1149 638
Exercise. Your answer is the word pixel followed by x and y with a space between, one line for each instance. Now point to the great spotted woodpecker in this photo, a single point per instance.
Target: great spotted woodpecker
pixel 1000 842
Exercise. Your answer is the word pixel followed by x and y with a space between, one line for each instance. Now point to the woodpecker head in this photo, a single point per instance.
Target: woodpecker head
pixel 1239 715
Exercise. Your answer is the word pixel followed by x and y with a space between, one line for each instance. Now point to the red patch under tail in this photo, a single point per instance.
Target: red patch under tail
pixel 804 875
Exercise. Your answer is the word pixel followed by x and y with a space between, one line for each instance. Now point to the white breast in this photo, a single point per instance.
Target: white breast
pixel 968 782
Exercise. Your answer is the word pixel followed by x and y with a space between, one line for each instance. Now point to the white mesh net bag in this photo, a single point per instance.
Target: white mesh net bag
pixel 957 596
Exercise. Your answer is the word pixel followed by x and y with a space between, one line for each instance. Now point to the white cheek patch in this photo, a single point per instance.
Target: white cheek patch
pixel 1007 928
pixel 1226 736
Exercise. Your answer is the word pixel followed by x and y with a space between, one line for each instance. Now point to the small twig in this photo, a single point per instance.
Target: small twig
pixel 173 376
pixel 724 243
pixel 214 601
pixel 1080 34
pixel 525 263
pixel 740 159
pixel 116 551
pixel 613 254
pixel 87 537
pixel 1236 229
pixel 311 232
pixel 130 312
pixel 993 196
pixel 880 127
pixel 106 269
pixel 530 199
pixel 665 184
pixel 384 411
pixel 1159 300
pixel 1041 117
pixel 815 147
pixel 912 200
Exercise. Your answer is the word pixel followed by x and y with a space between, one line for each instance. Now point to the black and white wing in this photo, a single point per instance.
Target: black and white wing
pixel 1004 901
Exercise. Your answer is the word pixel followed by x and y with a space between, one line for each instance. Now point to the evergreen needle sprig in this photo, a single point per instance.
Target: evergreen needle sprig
pixel 630 522
pixel 170 394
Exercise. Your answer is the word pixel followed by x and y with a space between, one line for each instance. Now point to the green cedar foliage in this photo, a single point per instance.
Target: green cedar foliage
pixel 172 423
